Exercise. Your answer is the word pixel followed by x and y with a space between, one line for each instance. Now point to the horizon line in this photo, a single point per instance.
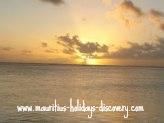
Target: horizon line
pixel 67 64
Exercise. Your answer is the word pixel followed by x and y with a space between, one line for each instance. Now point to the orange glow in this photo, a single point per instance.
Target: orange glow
pixel 90 61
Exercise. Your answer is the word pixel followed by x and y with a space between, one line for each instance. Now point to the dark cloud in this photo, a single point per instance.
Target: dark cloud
pixel 55 2
pixel 6 48
pixel 90 48
pixel 128 5
pixel 162 26
pixel 26 51
pixel 127 13
pixel 156 13
pixel 73 45
pixel 157 17
pixel 47 48
pixel 43 44
pixel 141 51
pixel 130 15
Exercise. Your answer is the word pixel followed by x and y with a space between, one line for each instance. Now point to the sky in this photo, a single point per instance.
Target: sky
pixel 92 32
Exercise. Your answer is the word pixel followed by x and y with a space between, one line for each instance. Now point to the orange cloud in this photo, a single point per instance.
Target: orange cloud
pixel 127 13
pixel 132 15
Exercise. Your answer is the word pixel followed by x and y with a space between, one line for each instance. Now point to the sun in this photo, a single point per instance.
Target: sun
pixel 88 60
pixel 91 61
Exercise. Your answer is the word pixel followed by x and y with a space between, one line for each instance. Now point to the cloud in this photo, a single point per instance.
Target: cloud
pixel 156 13
pixel 6 48
pixel 47 48
pixel 141 51
pixel 157 17
pixel 131 15
pixel 127 13
pixel 55 2
pixel 72 45
pixel 90 48
pixel 26 52
pixel 162 26
pixel 128 5
pixel 43 44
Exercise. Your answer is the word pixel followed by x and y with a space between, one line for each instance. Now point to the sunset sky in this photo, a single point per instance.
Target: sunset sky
pixel 93 32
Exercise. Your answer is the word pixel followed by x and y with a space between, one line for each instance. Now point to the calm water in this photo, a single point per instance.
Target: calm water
pixel 32 84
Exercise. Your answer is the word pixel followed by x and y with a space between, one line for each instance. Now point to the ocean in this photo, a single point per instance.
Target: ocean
pixel 41 84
